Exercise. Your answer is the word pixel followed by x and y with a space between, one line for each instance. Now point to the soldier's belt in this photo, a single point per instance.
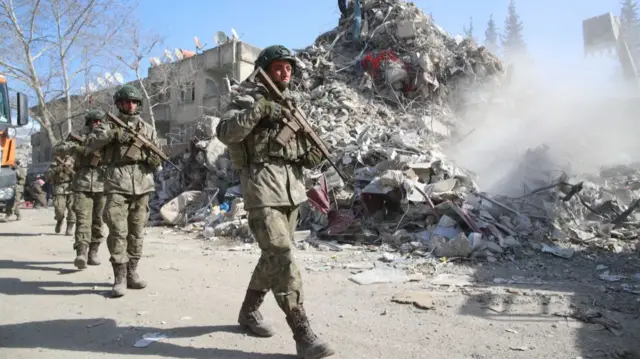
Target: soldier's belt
pixel 277 161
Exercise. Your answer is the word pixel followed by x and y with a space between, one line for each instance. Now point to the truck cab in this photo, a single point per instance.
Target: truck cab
pixel 8 140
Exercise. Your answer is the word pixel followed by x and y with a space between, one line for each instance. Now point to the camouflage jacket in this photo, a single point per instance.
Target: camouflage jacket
pixel 270 174
pixel 88 178
pixel 124 174
pixel 21 179
pixel 60 174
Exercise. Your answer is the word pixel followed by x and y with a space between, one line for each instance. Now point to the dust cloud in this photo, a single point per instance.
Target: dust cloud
pixel 576 118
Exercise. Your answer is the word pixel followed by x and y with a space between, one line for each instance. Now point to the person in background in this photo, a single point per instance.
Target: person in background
pixel 60 174
pixel 37 192
pixel 21 179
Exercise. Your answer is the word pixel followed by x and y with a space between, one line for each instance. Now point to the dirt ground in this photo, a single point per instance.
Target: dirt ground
pixel 510 309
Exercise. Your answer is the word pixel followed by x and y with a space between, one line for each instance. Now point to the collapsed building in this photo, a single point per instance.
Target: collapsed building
pixel 388 100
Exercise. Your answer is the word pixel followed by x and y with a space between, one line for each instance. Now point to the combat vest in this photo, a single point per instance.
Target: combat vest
pixel 118 154
pixel 260 145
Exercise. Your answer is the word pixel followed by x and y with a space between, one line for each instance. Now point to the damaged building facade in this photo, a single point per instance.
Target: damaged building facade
pixel 201 86
pixel 184 91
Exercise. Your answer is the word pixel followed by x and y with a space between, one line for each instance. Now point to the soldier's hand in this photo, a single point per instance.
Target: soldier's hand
pixel 271 110
pixel 154 161
pixel 121 135
pixel 313 158
pixel 80 149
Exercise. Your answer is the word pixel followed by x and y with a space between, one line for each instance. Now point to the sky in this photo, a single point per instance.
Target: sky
pixel 552 29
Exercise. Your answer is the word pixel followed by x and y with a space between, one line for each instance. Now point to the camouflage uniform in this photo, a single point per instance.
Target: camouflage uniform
pixel 128 183
pixel 60 175
pixel 89 200
pixel 18 189
pixel 273 189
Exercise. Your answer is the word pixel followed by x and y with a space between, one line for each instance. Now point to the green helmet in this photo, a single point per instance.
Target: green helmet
pixel 272 53
pixel 94 115
pixel 128 92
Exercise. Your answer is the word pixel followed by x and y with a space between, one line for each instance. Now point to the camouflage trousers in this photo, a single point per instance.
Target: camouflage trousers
pixel 126 216
pixel 273 228
pixel 88 208
pixel 15 209
pixel 64 203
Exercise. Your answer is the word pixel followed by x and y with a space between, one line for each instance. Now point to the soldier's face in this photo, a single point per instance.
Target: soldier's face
pixel 128 106
pixel 280 72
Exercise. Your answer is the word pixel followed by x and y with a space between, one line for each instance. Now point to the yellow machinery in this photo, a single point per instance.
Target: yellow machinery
pixel 8 139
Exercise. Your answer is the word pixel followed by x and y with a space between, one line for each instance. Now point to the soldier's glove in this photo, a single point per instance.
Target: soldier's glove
pixel 313 158
pixel 121 135
pixel 80 149
pixel 271 110
pixel 154 161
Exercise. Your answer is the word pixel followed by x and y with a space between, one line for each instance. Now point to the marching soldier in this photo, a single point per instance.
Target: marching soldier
pixel 60 174
pixel 128 183
pixel 18 190
pixel 273 189
pixel 88 188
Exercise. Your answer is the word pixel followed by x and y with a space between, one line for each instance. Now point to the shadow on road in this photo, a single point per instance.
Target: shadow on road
pixel 570 292
pixel 39 266
pixel 100 335
pixel 15 286
pixel 12 235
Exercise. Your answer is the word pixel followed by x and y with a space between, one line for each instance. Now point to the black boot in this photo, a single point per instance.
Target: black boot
pixel 81 256
pixel 58 226
pixel 133 280
pixel 308 345
pixel 251 318
pixel 119 279
pixel 94 259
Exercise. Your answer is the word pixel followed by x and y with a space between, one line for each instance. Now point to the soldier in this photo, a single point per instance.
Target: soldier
pixel 128 183
pixel 273 189
pixel 18 189
pixel 89 200
pixel 60 174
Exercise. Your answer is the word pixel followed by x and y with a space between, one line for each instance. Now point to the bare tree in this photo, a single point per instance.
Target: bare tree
pixel 79 28
pixel 164 78
pixel 45 46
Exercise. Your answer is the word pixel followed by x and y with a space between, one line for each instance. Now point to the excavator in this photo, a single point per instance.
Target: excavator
pixel 604 33
pixel 8 140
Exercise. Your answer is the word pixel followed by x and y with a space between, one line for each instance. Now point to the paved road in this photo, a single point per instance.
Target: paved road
pixel 50 310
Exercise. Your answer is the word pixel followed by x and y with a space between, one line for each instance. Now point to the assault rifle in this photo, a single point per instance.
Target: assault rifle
pixel 139 142
pixel 95 157
pixel 295 120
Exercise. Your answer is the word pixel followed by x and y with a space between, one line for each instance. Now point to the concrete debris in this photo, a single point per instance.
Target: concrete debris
pixel 384 275
pixel 419 299
pixel 23 153
pixel 387 102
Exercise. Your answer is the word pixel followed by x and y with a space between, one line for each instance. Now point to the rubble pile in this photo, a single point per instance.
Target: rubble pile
pixel 403 80
pixel 386 100
pixel 23 152
pixel 587 210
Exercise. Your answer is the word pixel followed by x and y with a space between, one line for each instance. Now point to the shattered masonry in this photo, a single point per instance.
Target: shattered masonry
pixel 387 104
